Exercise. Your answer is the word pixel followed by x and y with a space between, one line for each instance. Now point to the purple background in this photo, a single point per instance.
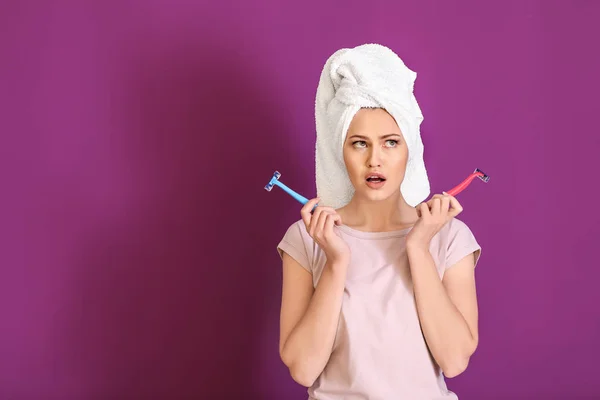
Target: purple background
pixel 137 247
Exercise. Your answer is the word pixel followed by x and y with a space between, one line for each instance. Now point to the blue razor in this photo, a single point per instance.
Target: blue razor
pixel 276 182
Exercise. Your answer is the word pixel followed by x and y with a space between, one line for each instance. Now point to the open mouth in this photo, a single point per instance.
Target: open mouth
pixel 375 179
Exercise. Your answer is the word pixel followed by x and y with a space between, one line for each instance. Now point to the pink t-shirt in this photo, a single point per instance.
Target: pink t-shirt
pixel 379 350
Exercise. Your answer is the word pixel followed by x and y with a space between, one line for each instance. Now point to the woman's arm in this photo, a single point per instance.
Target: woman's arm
pixel 447 308
pixel 309 318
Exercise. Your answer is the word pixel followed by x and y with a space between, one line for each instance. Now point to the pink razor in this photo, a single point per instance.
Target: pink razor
pixel 463 185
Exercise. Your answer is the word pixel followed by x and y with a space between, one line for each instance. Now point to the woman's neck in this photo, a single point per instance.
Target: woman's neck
pixel 390 214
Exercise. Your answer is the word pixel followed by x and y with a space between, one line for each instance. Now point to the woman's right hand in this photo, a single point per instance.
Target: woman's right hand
pixel 319 226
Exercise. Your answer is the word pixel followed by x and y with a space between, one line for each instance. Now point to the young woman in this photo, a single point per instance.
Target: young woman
pixel 379 298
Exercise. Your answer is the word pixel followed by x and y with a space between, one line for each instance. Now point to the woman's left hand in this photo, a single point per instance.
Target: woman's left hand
pixel 433 215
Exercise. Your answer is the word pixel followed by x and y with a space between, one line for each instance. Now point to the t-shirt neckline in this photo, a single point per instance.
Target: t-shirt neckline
pixel 374 235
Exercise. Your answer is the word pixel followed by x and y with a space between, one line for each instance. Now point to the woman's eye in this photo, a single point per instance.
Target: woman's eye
pixel 391 143
pixel 359 144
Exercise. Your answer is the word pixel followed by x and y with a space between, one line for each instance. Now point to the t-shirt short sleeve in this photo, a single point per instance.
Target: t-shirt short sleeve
pixel 295 243
pixel 461 243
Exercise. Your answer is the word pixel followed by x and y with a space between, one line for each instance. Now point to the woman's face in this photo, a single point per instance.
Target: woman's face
pixel 375 154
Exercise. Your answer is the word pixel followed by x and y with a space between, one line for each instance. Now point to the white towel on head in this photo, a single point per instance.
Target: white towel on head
pixel 372 76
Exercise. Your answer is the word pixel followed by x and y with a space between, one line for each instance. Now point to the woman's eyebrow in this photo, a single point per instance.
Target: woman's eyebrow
pixel 381 137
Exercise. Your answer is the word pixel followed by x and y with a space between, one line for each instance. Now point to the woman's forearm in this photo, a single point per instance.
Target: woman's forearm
pixel 445 330
pixel 309 345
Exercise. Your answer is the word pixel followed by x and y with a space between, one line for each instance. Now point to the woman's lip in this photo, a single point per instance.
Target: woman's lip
pixel 375 176
pixel 375 185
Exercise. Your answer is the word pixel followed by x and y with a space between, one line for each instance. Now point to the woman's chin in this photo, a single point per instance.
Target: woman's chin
pixel 375 195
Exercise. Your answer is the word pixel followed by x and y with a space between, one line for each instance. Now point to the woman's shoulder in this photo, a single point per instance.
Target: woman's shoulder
pixel 296 232
pixel 297 243
pixel 456 240
pixel 456 231
pixel 456 225
pixel 299 225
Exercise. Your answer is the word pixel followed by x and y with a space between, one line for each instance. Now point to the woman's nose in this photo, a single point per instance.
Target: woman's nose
pixel 374 159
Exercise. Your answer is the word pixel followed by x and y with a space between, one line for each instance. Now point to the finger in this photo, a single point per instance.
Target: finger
pixel 331 220
pixel 314 222
pixel 436 196
pixel 446 204
pixel 424 210
pixel 333 212
pixel 418 210
pixel 337 219
pixel 436 206
pixel 431 204
pixel 321 224
pixel 310 205
pixel 305 211
pixel 456 208
pixel 328 210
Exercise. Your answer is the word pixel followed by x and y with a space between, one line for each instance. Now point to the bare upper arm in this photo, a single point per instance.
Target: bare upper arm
pixel 297 291
pixel 459 281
